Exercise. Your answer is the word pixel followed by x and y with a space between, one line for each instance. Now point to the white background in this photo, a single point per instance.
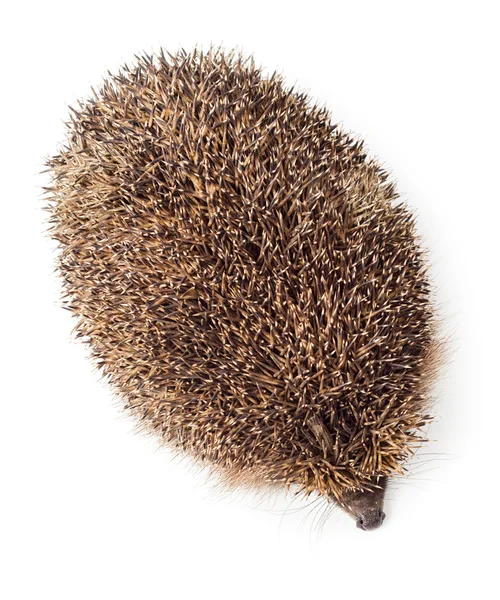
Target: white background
pixel 90 508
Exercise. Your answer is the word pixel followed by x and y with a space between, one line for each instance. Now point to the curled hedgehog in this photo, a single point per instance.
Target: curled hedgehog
pixel 246 277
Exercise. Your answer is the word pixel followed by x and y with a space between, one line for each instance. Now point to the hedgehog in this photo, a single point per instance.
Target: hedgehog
pixel 246 277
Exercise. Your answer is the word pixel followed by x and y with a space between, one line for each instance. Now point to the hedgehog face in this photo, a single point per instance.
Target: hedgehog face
pixel 366 505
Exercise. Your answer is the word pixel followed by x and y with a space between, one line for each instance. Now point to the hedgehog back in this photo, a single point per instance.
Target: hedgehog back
pixel 244 275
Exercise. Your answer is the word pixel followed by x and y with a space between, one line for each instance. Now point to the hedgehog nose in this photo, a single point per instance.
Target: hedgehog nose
pixel 371 519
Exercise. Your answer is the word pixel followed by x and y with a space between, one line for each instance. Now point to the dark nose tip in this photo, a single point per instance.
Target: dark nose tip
pixel 371 519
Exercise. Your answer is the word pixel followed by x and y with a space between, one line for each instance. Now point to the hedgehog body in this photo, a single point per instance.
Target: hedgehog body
pixel 246 277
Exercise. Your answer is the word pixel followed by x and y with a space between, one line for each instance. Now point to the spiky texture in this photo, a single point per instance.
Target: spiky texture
pixel 244 274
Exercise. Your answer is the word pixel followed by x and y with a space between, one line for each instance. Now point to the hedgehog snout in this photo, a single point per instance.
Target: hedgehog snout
pixel 371 519
pixel 366 505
